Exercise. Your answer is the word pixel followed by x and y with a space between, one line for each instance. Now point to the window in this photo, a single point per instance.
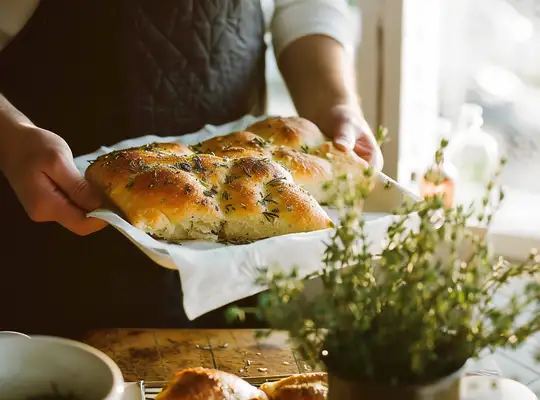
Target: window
pixel 421 60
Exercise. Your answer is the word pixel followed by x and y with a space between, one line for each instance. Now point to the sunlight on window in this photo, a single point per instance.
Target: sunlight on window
pixel 499 82
pixel 495 63
pixel 516 25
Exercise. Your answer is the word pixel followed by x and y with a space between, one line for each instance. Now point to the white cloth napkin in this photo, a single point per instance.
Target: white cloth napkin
pixel 211 274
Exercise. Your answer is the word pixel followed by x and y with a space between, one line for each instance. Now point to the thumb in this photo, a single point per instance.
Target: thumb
pixel 345 136
pixel 73 185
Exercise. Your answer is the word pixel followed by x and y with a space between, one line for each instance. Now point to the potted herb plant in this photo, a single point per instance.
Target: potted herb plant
pixel 401 323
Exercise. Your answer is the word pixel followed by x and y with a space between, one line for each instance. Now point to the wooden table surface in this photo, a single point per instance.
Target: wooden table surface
pixel 154 355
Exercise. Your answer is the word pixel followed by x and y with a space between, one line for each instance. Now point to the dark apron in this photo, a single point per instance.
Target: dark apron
pixel 96 72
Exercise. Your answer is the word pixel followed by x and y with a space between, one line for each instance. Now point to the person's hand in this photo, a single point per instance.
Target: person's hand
pixel 347 127
pixel 39 166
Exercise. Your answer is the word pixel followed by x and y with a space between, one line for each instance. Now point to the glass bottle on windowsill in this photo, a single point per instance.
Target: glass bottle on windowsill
pixel 474 154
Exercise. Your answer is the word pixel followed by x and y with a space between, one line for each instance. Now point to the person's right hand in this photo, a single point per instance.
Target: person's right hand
pixel 39 166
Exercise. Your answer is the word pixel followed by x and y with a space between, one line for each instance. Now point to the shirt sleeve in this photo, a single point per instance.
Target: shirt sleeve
pixel 294 19
pixel 14 14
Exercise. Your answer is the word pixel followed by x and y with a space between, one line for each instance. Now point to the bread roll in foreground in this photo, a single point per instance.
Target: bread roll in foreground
pixel 209 384
pixel 295 143
pixel 312 386
pixel 169 192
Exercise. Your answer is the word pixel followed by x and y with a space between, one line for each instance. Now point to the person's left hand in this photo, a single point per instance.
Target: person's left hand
pixel 347 127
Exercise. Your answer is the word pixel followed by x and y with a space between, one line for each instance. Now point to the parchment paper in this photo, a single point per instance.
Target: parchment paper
pixel 211 274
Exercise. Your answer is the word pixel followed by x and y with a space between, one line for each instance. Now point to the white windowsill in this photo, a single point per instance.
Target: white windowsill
pixel 516 226
pixel 515 229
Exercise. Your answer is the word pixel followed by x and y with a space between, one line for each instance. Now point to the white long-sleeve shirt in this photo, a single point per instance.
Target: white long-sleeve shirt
pixel 287 20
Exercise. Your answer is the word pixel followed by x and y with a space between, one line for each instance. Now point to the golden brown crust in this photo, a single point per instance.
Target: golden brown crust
pixel 204 383
pixel 235 144
pixel 294 132
pixel 178 149
pixel 309 386
pixel 295 143
pixel 306 169
pixel 179 197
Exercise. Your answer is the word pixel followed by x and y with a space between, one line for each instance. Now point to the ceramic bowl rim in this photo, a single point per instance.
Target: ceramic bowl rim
pixel 117 386
pixel 14 334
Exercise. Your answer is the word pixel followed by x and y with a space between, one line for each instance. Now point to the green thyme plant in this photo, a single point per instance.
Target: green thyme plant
pixel 416 311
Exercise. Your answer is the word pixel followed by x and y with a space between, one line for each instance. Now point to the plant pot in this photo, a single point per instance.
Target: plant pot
pixel 447 388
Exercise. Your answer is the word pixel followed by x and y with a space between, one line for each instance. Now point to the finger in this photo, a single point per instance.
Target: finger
pixel 60 209
pixel 67 177
pixel 370 152
pixel 73 218
pixel 83 227
pixel 364 151
pixel 345 136
pixel 349 125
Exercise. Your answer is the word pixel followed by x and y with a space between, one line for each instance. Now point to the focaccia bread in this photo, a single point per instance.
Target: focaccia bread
pixel 205 383
pixel 312 386
pixel 171 193
pixel 295 143
pixel 294 132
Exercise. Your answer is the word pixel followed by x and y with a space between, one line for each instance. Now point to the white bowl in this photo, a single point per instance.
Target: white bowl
pixel 5 334
pixel 494 388
pixel 43 365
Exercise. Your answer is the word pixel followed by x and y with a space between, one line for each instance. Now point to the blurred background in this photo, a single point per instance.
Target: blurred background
pixel 466 70
pixel 493 60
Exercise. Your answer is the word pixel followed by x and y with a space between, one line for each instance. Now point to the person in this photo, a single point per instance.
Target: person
pixel 76 75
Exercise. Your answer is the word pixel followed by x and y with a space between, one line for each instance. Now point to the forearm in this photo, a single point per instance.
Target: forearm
pixel 319 74
pixel 11 121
